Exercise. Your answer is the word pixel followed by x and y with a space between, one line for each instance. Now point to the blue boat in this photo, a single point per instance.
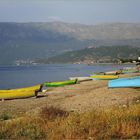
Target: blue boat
pixel 125 82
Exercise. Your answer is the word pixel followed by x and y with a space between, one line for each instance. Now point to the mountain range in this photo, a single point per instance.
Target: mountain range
pixel 102 54
pixel 38 41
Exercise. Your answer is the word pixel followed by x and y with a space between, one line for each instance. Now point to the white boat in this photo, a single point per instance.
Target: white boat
pixel 115 72
pixel 81 79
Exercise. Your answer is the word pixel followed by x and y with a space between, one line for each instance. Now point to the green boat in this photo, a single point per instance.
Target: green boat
pixel 129 71
pixel 60 83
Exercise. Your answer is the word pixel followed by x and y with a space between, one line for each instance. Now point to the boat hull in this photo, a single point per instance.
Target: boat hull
pixel 113 72
pixel 125 82
pixel 104 77
pixel 60 83
pixel 19 93
pixel 81 79
pixel 129 71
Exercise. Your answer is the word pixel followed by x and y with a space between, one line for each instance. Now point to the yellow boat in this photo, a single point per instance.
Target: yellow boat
pixel 19 93
pixel 104 77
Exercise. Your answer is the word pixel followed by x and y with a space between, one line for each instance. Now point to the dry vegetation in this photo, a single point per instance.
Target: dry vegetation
pixel 56 124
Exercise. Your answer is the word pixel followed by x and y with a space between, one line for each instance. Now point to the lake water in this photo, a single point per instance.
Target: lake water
pixel 22 76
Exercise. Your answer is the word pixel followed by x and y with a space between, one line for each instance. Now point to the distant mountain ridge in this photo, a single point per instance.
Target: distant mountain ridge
pixel 22 41
pixel 103 54
pixel 112 31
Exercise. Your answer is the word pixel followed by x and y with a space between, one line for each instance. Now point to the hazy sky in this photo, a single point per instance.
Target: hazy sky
pixel 75 11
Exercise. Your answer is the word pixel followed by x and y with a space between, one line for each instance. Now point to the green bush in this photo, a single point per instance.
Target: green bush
pixel 4 116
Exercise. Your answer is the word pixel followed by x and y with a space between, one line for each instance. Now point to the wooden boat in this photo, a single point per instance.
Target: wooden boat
pixel 125 82
pixel 60 83
pixel 104 77
pixel 129 68
pixel 129 71
pixel 19 93
pixel 98 73
pixel 81 79
pixel 113 72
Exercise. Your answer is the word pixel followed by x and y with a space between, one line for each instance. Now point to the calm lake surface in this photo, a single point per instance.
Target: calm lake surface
pixel 22 76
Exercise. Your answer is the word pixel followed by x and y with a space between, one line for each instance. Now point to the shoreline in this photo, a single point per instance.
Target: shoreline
pixel 80 97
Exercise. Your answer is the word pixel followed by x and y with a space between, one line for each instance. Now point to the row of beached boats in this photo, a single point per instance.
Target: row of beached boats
pixel 31 91
pixel 112 76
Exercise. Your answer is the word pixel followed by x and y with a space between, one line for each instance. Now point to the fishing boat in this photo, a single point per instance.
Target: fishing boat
pixel 125 71
pixel 104 77
pixel 113 72
pixel 20 92
pixel 129 68
pixel 98 73
pixel 81 79
pixel 60 83
pixel 125 82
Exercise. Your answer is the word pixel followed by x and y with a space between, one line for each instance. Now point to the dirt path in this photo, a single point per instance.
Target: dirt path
pixel 80 97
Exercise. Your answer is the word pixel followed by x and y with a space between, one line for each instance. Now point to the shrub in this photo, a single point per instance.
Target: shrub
pixel 51 113
pixel 4 116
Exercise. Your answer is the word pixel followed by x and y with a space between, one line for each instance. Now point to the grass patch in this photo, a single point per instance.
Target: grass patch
pixel 51 113
pixel 56 124
pixel 27 127
pixel 4 117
